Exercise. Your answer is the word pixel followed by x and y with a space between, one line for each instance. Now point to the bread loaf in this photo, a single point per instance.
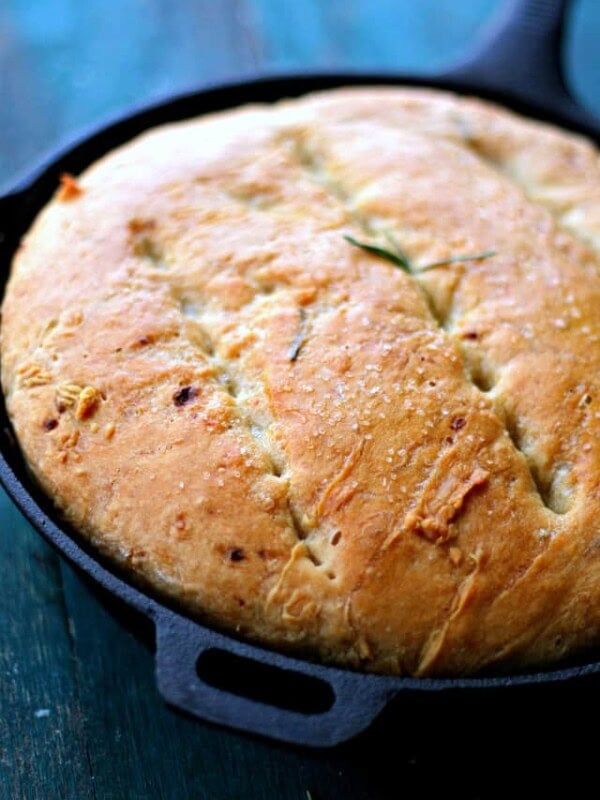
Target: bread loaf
pixel 326 374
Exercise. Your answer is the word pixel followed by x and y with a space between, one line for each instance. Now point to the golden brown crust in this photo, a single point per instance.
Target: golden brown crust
pixel 292 437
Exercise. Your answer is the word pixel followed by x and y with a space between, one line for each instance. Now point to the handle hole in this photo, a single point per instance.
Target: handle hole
pixel 282 688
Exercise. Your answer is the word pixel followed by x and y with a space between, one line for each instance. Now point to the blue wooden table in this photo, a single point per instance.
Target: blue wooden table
pixel 80 716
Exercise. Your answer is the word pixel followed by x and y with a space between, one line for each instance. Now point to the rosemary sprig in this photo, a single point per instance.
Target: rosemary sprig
pixel 399 259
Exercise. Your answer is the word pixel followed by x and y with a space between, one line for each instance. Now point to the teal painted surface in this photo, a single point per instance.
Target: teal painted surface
pixel 66 64
pixel 79 713
pixel 386 34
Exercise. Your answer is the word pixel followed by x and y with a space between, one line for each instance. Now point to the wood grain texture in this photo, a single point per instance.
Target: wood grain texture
pixel 39 708
pixel 65 65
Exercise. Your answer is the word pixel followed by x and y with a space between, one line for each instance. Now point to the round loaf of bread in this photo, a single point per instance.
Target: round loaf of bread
pixel 326 374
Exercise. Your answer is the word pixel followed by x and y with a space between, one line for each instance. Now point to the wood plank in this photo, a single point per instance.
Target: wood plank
pixel 25 123
pixel 41 737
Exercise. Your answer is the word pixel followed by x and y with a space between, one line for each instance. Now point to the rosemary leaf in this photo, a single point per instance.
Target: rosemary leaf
pixel 455 259
pixel 300 339
pixel 398 258
pixel 399 251
pixel 296 347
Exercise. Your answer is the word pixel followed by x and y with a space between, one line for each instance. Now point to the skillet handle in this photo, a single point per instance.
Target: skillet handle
pixel 235 684
pixel 520 55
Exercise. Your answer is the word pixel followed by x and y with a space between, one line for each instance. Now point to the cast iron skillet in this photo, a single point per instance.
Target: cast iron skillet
pixel 203 672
